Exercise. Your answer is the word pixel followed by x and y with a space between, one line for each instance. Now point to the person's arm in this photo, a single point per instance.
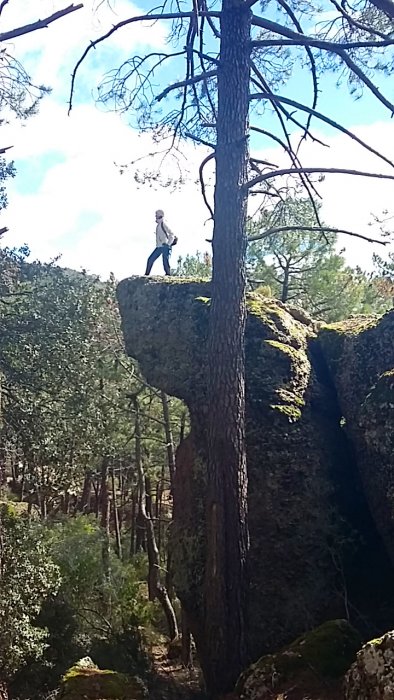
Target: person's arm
pixel 168 233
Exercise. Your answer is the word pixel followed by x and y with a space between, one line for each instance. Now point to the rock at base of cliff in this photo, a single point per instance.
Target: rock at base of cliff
pixel 312 667
pixel 371 677
pixel 86 681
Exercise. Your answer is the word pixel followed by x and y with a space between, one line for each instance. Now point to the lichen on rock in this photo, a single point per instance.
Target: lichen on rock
pixel 371 677
pixel 85 681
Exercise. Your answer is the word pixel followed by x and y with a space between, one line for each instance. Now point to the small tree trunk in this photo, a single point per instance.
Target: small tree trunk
pixel 23 478
pixel 186 653
pixel 169 438
pixel 3 690
pixel 133 524
pixel 155 587
pixel 285 285
pixel 104 522
pixel 104 492
pixel 84 505
pixel 118 539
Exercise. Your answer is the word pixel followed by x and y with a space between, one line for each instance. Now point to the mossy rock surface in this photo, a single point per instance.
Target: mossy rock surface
pixel 316 662
pixel 360 355
pixel 83 683
pixel 302 490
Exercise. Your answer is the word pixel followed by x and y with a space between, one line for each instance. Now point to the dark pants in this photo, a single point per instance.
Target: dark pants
pixel 163 250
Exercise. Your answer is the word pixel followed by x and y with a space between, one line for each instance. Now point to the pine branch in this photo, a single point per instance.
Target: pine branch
pixel 386 6
pixel 131 20
pixel 185 83
pixel 40 24
pixel 298 105
pixel 300 171
pixel 318 229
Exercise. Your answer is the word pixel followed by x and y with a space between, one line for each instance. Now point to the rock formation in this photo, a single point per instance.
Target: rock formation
pixel 311 667
pixel 311 531
pixel 371 676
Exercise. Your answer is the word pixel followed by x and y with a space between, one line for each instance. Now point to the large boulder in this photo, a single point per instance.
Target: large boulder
pixel 360 356
pixel 85 681
pixel 311 667
pixel 304 500
pixel 371 677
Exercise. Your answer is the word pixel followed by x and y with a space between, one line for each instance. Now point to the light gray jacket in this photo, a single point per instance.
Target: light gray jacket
pixel 163 234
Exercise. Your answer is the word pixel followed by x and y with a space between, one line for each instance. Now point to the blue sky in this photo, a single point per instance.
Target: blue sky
pixel 69 197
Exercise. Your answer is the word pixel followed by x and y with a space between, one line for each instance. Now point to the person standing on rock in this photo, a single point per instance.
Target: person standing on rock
pixel 165 239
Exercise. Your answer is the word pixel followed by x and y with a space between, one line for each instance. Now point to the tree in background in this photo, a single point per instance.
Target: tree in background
pixel 302 267
pixel 27 577
pixel 198 265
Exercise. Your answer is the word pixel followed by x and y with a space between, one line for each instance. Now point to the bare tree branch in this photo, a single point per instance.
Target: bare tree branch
pixel 293 17
pixel 186 83
pixel 322 117
pixel 321 229
pixel 139 18
pixel 298 171
pixel 202 183
pixel 40 24
pixel 304 40
pixel 3 4
pixel 386 6
pixel 355 23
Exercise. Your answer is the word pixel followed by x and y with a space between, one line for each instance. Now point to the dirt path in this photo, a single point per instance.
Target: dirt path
pixel 172 680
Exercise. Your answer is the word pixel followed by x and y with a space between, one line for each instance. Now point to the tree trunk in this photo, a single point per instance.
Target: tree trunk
pixel 84 505
pixel 118 538
pixel 285 285
pixel 155 587
pixel 133 548
pixel 169 438
pixel 106 537
pixel 104 492
pixel 186 641
pixel 224 654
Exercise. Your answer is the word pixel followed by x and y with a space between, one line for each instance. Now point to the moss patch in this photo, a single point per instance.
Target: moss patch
pixel 82 683
pixel 324 653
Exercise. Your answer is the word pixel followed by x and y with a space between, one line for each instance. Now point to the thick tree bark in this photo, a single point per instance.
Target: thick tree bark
pixel 227 533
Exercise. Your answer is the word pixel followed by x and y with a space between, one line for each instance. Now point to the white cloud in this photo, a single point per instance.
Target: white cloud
pixel 98 219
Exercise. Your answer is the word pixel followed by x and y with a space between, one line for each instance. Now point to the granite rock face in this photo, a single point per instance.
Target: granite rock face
pixel 360 355
pixel 310 667
pixel 305 501
pixel 371 677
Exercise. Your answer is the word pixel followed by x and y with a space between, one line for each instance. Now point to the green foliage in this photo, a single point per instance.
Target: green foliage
pixel 303 267
pixel 198 265
pixel 76 547
pixel 28 577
